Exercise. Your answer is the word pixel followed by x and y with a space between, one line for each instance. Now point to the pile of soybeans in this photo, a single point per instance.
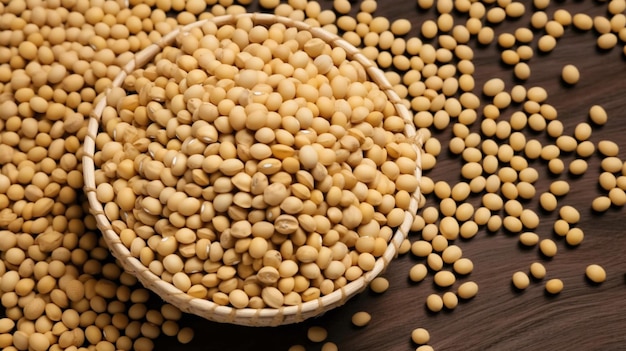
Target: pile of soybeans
pixel 60 287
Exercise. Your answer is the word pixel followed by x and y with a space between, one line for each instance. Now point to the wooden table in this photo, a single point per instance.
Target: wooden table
pixel 582 317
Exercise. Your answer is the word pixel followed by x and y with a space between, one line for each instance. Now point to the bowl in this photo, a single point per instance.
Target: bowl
pixel 117 224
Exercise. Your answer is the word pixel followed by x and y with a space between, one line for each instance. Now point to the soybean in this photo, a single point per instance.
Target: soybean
pixel 548 247
pixel 420 336
pixel 467 290
pixel 434 303
pixel 598 115
pixel 537 270
pixel 554 286
pixel 361 319
pixel 570 74
pixel 317 333
pixel 595 273
pixel 520 280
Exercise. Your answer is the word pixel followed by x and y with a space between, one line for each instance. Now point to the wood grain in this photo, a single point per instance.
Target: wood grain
pixel 583 317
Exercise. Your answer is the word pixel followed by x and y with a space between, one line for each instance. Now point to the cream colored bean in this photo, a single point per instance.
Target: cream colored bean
pixel 420 336
pixel 418 272
pixel 598 115
pixel 548 247
pixel 361 319
pixel 537 270
pixel 585 149
pixel 582 21
pixel 608 148
pixel 434 303
pixel 569 214
pixel 493 87
pixel 578 167
pixel 450 300
pixel 317 334
pixel 595 273
pixel 444 278
pixel 529 239
pixel 559 188
pixel 379 285
pixel 574 236
pixel 467 290
pixel 520 280
pixel 617 197
pixel 607 41
pixel 185 335
pixel 463 266
pixel 570 74
pixel 561 227
pixel 601 203
pixel 611 164
pixel 554 286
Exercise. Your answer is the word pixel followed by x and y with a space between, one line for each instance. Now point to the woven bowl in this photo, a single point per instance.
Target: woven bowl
pixel 204 307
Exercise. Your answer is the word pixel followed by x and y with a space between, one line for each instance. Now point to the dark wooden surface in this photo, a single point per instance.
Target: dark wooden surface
pixel 582 317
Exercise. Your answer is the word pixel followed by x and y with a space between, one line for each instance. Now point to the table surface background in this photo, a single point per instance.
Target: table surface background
pixel 582 317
